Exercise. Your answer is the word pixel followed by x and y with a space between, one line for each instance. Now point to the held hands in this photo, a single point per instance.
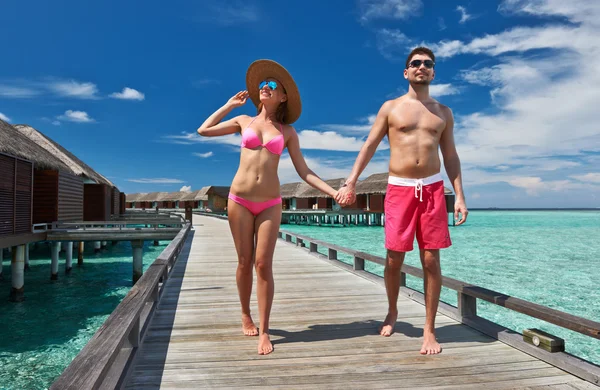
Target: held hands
pixel 346 195
pixel 460 208
pixel 238 100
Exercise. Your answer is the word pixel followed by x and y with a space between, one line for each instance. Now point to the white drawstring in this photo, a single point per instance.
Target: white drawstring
pixel 419 187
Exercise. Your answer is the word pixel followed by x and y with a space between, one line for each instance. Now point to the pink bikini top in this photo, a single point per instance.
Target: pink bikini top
pixel 250 140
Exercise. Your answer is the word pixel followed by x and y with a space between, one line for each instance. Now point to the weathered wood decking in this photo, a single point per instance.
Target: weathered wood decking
pixel 324 328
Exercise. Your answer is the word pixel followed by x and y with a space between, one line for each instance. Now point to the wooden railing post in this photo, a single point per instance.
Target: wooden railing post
pixel 467 305
pixel 134 335
pixel 313 247
pixel 288 237
pixel 299 242
pixel 359 264
pixel 332 254
pixel 402 279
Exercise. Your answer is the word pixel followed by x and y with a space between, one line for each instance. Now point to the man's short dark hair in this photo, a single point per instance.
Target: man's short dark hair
pixel 420 50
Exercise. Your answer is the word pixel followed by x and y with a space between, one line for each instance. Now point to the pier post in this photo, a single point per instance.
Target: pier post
pixel 80 254
pixel 467 305
pixel 97 246
pixel 54 251
pixel 1 263
pixel 27 257
pixel 156 243
pixel 69 263
pixel 138 257
pixel 17 268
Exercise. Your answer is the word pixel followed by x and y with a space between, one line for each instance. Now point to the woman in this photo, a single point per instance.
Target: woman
pixel 254 205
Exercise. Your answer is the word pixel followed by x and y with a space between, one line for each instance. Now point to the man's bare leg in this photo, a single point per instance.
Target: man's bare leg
pixel 391 276
pixel 432 285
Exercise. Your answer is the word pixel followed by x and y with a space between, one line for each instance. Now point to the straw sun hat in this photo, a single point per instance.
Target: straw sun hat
pixel 259 70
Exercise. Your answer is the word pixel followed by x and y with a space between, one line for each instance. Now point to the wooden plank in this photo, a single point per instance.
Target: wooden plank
pixel 94 364
pixel 324 328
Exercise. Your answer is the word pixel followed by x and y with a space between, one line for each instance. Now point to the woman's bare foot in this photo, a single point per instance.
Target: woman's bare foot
pixel 388 325
pixel 248 326
pixel 430 344
pixel 265 346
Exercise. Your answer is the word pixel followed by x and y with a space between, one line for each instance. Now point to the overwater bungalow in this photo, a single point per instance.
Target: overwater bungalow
pixel 188 199
pixel 212 197
pixel 288 193
pixel 308 197
pixel 172 200
pixel 100 196
pixel 25 201
pixel 131 200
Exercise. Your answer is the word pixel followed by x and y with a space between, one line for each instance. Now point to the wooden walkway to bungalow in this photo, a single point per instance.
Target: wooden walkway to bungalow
pixel 324 329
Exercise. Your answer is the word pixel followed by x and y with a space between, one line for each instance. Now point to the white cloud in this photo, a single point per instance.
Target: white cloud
pixel 464 16
pixel 156 181
pixel 518 39
pixel 592 177
pixel 388 9
pixel 192 138
pixel 18 92
pixel 393 44
pixel 327 169
pixel 186 189
pixel 4 117
pixel 128 94
pixel 203 155
pixel 205 82
pixel 579 11
pixel 360 128
pixel 437 90
pixel 76 116
pixel 441 24
pixel 74 89
pixel 56 123
pixel 309 139
pixel 227 13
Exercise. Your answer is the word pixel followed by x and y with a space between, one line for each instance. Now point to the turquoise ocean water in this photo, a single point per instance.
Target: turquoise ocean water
pixel 42 335
pixel 546 257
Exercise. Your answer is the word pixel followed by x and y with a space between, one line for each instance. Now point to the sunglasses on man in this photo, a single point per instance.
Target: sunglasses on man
pixel 429 64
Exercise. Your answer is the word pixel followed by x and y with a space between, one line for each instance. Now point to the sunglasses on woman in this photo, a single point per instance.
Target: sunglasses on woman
pixel 271 84
pixel 417 63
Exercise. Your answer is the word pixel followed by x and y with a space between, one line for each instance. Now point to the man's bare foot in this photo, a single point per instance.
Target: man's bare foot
pixel 248 326
pixel 264 344
pixel 430 344
pixel 388 325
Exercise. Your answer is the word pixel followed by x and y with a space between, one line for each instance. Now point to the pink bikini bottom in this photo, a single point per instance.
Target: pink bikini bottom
pixel 255 207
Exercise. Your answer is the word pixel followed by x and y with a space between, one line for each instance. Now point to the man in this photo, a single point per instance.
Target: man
pixel 416 125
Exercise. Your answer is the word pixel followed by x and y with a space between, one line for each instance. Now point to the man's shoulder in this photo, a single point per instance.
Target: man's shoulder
pixel 442 107
pixel 389 105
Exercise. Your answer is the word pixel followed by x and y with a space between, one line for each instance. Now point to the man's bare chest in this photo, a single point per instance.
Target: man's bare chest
pixel 417 119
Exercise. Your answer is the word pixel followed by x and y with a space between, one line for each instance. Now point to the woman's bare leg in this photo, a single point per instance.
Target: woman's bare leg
pixel 267 226
pixel 241 223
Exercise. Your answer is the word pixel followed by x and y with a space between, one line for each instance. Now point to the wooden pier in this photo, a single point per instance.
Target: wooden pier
pixel 179 328
pixel 133 227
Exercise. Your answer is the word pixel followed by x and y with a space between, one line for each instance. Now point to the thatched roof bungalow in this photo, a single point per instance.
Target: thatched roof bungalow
pixel 100 196
pixel 47 189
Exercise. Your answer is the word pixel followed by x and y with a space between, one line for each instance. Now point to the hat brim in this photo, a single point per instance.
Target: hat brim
pixel 259 70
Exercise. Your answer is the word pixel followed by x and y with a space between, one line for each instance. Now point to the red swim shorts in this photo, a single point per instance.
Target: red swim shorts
pixel 416 207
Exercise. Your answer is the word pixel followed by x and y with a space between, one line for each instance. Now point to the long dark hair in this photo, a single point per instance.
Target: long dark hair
pixel 279 114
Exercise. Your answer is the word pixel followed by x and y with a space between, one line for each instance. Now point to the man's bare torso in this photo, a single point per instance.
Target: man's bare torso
pixel 414 132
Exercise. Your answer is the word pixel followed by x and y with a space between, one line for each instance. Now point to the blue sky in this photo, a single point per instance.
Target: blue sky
pixel 124 85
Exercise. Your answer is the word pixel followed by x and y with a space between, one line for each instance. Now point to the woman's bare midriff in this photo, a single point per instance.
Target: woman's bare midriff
pixel 256 179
